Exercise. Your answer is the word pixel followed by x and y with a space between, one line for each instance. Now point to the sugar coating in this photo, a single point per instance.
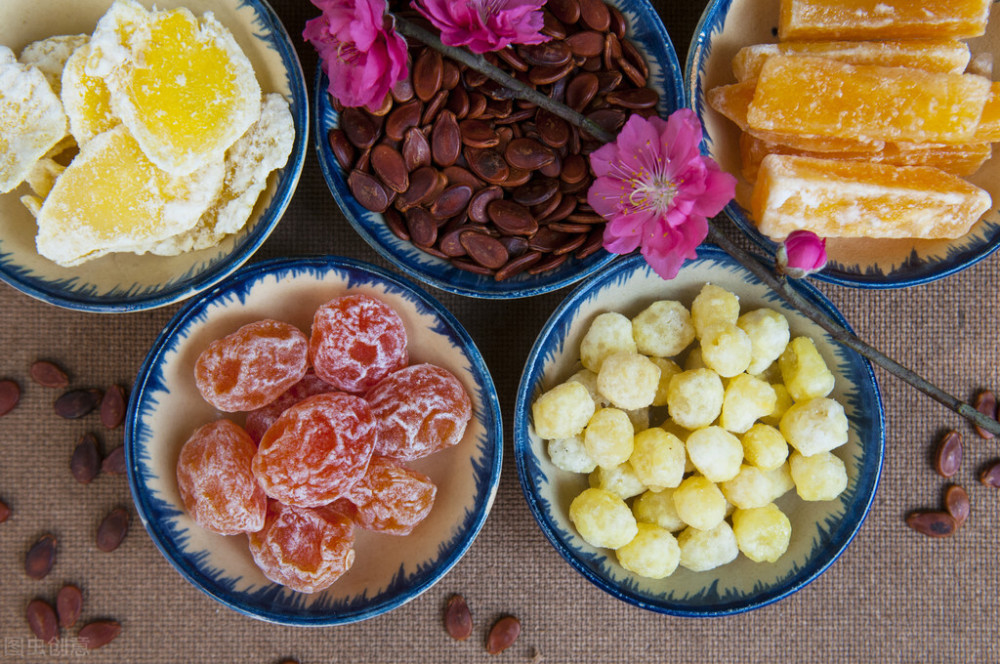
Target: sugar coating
pixel 628 379
pixel 699 502
pixel 805 373
pixel 391 498
pixel 764 447
pixel 822 476
pixel 259 420
pixel 620 480
pixel 746 400
pixel 602 519
pixel 652 553
pixel 750 488
pixel 694 398
pixel 609 437
pixel 658 507
pixel 702 550
pixel 570 454
pixel 716 453
pixel 663 329
pixel 726 349
pixel 563 411
pixel 86 99
pixel 49 56
pixel 713 305
pixel 609 333
pixel 769 335
pixel 814 426
pixel 658 459
pixel 762 533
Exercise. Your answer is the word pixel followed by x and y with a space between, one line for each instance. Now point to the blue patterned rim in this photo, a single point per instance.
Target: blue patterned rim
pixel 834 534
pixel 914 271
pixel 74 293
pixel 665 76
pixel 273 603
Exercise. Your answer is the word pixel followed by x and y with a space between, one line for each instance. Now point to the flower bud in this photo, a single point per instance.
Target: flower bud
pixel 801 254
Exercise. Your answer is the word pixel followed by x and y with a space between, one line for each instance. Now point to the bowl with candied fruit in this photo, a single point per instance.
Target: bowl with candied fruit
pixel 868 123
pixel 340 447
pixel 149 149
pixel 695 447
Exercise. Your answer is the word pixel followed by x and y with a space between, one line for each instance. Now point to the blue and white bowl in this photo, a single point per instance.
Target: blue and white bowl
pixel 728 25
pixel 820 530
pixel 648 34
pixel 128 282
pixel 388 570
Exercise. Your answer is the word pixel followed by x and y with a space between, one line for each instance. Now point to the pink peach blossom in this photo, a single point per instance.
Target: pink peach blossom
pixel 485 25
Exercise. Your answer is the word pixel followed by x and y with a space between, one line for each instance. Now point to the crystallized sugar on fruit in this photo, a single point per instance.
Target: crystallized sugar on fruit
pixel 658 507
pixel 49 56
pixel 882 19
pixel 253 366
pixel 663 329
pixel 570 454
pixel 258 421
pixel 769 335
pixel 112 198
pixel 609 333
pixel 608 438
pixel 32 120
pixel 357 340
pixel 714 306
pixel 420 410
pixel 716 453
pixel 694 398
pixel 602 519
pixel 391 499
pixel 563 411
pixel 804 370
pixel 746 400
pixel 702 550
pixel 317 450
pixel 217 487
pixel 762 533
pixel 726 349
pixel 86 99
pixel 821 476
pixel 815 426
pixel 652 553
pixel 629 380
pixel 620 480
pixel 304 549
pixel 700 503
pixel 750 488
pixel 764 447
pixel 658 459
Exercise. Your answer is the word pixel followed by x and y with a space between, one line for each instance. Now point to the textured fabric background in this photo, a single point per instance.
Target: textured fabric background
pixel 893 596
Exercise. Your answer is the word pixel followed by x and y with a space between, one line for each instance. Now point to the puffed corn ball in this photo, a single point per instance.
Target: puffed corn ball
pixel 716 453
pixel 821 476
pixel 663 329
pixel 608 437
pixel 570 454
pixel 712 306
pixel 762 533
pixel 769 335
pixel 609 333
pixel 702 550
pixel 658 507
pixel 628 379
pixel 588 379
pixel 725 349
pixel 764 447
pixel 694 398
pixel 746 399
pixel 653 552
pixel 750 488
pixel 658 458
pixel 620 480
pixel 668 369
pixel 814 426
pixel 699 502
pixel 804 371
pixel 602 519
pixel 563 411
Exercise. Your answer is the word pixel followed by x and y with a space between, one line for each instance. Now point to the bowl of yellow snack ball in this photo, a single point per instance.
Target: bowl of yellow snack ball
pixel 696 447
pixel 149 149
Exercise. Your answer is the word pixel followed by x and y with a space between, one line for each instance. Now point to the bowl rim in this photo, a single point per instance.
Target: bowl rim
pixel 698 50
pixel 51 292
pixel 522 448
pixel 336 183
pixel 195 308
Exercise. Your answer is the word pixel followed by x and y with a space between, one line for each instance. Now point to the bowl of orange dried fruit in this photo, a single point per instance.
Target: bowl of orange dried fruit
pixel 868 123
pixel 340 447
pixel 149 149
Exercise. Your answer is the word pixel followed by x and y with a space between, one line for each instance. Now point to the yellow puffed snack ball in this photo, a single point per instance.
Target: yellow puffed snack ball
pixel 628 380
pixel 712 306
pixel 702 550
pixel 782 402
pixel 668 369
pixel 818 477
pixel 694 398
pixel 781 481
pixel 570 454
pixel 608 437
pixel 814 426
pixel 620 480
pixel 658 507
pixel 804 371
pixel 725 349
pixel 602 519
pixel 663 329
pixel 652 553
pixel 699 502
pixel 609 333
pixel 764 447
pixel 716 453
pixel 762 533
pixel 750 488
pixel 588 379
pixel 769 335
pixel 563 411
pixel 658 458
pixel 694 360
pixel 746 399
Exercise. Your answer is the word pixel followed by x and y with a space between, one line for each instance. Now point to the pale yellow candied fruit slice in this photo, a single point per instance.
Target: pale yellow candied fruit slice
pixel 937 55
pixel 854 199
pixel 989 124
pixel 85 99
pixel 882 19
pixel 112 198
pixel 817 96
pixel 49 56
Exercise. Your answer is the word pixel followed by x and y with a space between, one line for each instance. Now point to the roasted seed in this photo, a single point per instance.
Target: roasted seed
pixel 518 265
pixel 986 403
pixel 488 164
pixel 452 201
pixel 459 175
pixel 434 107
pixel 608 81
pixel 511 218
pixel 446 140
pixel 359 128
pixel 450 243
pixel 458 102
pixel 503 634
pixel 369 192
pixel 932 524
pixel 581 90
pixel 587 43
pixel 4 511
pixel 112 530
pixel 402 90
pixel 390 167
pixel 10 395
pixel 458 618
pixel 948 457
pixel 635 58
pixel 511 57
pixel 631 72
pixel 956 501
pixel 528 154
pixel 427 73
pixel 114 462
pixel 567 11
pixel 416 149
pixel 85 464
pixel 113 407
pixel 593 244
pixel 478 134
pixel 69 605
pixel 48 374
pixel 536 192
pixel 394 220
pixel 618 24
pixel 42 620
pixel 99 633
pixel 553 53
pixel 608 119
pixel 423 182
pixel 77 403
pixel 40 557
pixel 549 75
pixel 485 250
pixel 471 266
pixel 402 118
pixel 450 75
pixel 595 15
pixel 479 201
pixel 990 476
pixel 575 169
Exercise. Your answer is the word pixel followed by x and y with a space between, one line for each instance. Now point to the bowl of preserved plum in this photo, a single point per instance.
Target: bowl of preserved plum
pixel 339 449
pixel 696 447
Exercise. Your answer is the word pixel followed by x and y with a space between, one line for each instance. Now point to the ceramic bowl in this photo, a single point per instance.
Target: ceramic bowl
pixel 128 282
pixel 728 25
pixel 388 570
pixel 820 530
pixel 646 32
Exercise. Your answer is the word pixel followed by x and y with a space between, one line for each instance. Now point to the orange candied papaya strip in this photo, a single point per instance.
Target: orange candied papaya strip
pixel 854 199
pixel 938 55
pixel 798 94
pixel 882 19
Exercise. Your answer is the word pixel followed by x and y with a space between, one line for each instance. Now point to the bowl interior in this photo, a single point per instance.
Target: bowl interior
pixel 646 32
pixel 728 25
pixel 123 281
pixel 388 570
pixel 820 530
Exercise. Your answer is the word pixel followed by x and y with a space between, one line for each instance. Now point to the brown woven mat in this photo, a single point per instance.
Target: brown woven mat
pixel 893 596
